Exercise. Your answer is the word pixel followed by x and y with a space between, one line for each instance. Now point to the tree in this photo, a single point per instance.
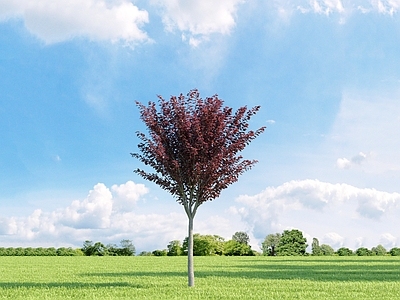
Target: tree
pixel 193 147
pixel 205 245
pixel 160 252
pixel 394 251
pixel 270 242
pixel 343 251
pixel 96 249
pixel 292 242
pixel 362 251
pixel 379 250
pixel 315 247
pixel 174 248
pixel 241 237
pixel 235 248
pixel 127 248
pixel 326 250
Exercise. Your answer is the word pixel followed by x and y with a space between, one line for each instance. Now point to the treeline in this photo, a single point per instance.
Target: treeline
pixel 19 251
pixel 288 243
pixel 292 242
pixel 208 245
pixel 126 248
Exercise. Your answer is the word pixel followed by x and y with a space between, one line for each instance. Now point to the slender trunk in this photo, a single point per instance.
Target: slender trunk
pixel 190 252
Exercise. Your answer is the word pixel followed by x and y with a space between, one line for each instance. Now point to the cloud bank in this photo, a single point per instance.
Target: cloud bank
pixel 98 20
pixel 324 210
pixel 106 215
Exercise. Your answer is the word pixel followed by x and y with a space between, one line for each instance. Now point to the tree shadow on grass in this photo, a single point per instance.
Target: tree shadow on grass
pixel 317 271
pixel 70 285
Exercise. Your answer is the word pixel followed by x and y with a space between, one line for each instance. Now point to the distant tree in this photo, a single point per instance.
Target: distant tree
pixel 315 248
pixel 235 248
pixel 394 251
pixel 379 250
pixel 362 251
pixel 241 237
pixel 113 250
pixel 96 249
pixel 343 251
pixel 204 245
pixel 127 248
pixel 193 147
pixel 269 244
pixel 326 250
pixel 174 248
pixel 160 252
pixel 292 242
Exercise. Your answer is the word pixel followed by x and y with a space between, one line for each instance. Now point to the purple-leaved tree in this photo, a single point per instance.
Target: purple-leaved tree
pixel 193 146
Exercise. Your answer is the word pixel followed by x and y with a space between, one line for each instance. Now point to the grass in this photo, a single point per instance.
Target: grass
pixel 216 278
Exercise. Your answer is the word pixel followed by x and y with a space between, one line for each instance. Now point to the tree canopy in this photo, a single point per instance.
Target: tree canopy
pixel 241 237
pixel 269 244
pixel 193 146
pixel 292 242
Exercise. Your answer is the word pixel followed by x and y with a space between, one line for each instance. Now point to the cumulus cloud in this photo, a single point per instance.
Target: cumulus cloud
pixel 106 215
pixel 198 19
pixel 344 163
pixel 99 20
pixel 388 240
pixel 127 194
pixel 310 202
pixel 333 239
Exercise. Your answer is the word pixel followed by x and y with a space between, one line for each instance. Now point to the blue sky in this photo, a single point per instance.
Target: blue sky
pixel 325 72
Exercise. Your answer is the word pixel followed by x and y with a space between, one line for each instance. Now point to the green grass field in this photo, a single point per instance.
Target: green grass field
pixel 216 278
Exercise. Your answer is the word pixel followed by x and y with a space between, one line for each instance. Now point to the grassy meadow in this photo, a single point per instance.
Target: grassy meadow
pixel 216 278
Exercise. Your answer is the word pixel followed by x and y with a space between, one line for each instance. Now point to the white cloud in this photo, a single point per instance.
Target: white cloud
pixel 271 121
pixel 93 212
pixel 99 20
pixel 389 7
pixel 319 208
pixel 344 163
pixel 104 216
pixel 388 240
pixel 333 239
pixel 198 19
pixel 127 195
pixel 326 7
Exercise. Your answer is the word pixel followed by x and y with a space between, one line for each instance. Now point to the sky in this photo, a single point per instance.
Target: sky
pixel 326 74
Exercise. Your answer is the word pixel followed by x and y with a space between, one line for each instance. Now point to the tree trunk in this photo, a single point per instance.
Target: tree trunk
pixel 190 252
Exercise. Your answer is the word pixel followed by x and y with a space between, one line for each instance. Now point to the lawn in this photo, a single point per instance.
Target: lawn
pixel 216 278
